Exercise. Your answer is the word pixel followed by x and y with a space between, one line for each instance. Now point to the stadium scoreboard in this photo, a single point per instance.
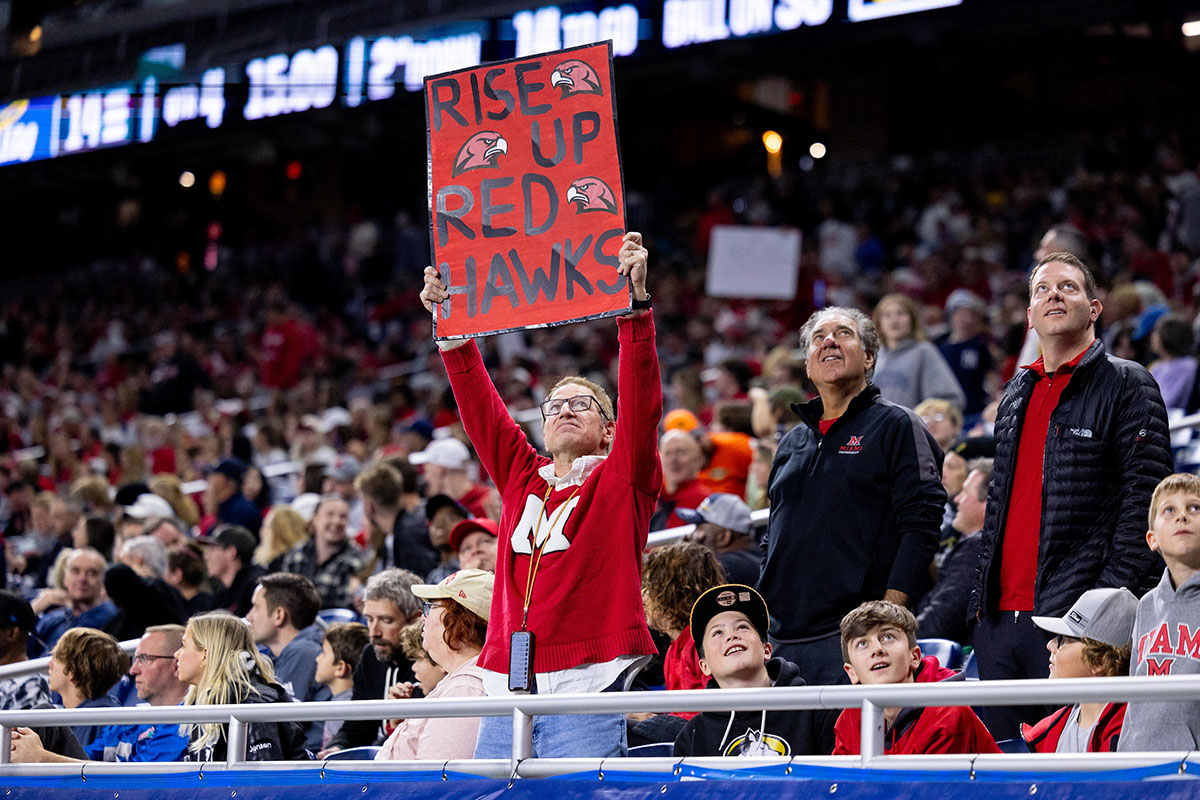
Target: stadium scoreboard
pixel 373 68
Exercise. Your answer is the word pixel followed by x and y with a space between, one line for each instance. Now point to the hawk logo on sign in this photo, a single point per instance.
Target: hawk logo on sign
pixel 548 530
pixel 591 194
pixel 576 77
pixel 480 152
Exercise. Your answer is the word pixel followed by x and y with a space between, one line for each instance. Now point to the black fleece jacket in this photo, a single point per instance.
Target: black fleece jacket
pixel 854 512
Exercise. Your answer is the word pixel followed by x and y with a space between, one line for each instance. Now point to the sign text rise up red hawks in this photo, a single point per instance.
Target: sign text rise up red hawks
pixel 526 200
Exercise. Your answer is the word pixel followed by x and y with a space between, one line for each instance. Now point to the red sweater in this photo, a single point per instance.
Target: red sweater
pixel 689 495
pixel 681 667
pixel 954 729
pixel 587 595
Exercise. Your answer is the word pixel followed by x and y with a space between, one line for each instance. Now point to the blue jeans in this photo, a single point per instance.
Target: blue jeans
pixel 559 736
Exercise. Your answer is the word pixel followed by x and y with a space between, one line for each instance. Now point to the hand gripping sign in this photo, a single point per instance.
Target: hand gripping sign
pixel 526 198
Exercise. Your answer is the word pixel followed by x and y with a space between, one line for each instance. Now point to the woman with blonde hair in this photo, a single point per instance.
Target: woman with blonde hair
pixel 170 488
pixel 909 368
pixel 282 530
pixel 221 664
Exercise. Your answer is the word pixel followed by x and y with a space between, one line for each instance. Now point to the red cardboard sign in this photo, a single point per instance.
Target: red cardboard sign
pixel 526 197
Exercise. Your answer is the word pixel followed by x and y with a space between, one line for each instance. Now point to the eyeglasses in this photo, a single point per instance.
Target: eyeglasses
pixel 928 418
pixel 579 403
pixel 145 658
pixel 1061 641
pixel 427 606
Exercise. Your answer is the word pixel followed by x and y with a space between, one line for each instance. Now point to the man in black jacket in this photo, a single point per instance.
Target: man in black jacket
pixel 729 625
pixel 389 606
pixel 856 500
pixel 1081 442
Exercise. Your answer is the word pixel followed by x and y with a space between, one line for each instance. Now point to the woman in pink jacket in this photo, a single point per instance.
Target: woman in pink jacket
pixel 456 613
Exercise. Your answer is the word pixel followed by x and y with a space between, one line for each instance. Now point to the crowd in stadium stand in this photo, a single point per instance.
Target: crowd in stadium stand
pixel 183 449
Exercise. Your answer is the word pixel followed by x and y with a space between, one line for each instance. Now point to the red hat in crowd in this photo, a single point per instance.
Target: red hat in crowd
pixel 469 526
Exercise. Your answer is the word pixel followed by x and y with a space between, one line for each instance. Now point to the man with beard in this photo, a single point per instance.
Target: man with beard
pixel 390 605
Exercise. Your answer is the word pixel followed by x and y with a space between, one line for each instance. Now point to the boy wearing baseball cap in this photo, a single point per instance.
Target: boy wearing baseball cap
pixel 729 625
pixel 1091 641
pixel 879 646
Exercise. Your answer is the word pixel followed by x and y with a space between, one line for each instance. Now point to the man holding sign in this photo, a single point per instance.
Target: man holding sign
pixel 567 613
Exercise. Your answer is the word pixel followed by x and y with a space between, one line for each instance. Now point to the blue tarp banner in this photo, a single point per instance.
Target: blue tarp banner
pixel 1150 783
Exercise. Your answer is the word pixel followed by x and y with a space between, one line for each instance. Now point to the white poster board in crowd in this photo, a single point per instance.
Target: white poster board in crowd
pixel 762 263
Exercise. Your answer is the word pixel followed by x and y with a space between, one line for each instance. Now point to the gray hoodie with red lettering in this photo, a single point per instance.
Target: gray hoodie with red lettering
pixel 1166 641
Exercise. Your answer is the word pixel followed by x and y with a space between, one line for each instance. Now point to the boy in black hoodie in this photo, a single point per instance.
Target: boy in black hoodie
pixel 729 624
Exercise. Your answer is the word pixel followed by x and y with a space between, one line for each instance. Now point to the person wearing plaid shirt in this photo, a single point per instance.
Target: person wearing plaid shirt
pixel 328 559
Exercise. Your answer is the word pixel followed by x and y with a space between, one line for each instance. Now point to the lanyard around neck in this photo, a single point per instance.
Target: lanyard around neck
pixel 535 558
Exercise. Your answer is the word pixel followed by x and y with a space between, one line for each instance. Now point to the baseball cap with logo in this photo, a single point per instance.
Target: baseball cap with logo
pixel 728 597
pixel 470 588
pixel 1104 615
pixel 726 510
pixel 449 453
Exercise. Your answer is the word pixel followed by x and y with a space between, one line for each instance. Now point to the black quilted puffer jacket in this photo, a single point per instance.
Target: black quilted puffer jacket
pixel 1106 449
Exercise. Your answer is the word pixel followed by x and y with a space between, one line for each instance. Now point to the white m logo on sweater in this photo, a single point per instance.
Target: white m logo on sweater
pixel 548 527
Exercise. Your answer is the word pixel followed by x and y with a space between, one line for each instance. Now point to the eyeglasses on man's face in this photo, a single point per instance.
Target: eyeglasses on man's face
pixel 1061 641
pixel 579 403
pixel 146 658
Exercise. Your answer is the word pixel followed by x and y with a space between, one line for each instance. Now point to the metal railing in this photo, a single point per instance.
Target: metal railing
pixel 872 700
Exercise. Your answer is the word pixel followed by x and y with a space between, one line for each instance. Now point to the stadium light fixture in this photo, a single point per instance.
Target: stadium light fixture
pixel 1191 28
pixel 816 150
pixel 187 180
pixel 773 142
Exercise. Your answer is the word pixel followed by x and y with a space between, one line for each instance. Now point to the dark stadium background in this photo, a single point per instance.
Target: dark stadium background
pixel 1020 83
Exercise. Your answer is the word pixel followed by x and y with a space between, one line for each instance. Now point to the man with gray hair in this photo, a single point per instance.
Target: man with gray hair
pixel 856 499
pixel 135 585
pixel 389 605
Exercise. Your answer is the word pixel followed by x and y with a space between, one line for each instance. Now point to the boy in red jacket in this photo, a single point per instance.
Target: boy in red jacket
pixel 1092 640
pixel 879 645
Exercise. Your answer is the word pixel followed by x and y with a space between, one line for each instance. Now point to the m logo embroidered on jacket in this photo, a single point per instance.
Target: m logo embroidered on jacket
pixel 549 527
pixel 853 446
